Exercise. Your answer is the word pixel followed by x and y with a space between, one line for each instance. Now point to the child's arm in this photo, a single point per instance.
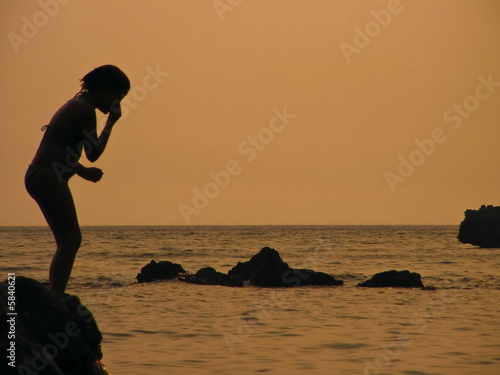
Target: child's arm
pixel 90 174
pixel 95 145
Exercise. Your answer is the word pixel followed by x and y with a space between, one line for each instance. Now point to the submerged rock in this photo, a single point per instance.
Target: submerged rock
pixel 267 269
pixel 163 270
pixel 395 279
pixel 481 227
pixel 209 276
pixel 51 333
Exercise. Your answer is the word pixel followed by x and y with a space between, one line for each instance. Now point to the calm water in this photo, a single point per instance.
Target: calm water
pixel 177 328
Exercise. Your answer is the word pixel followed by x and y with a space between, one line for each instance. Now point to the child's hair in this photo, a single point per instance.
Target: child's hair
pixel 107 77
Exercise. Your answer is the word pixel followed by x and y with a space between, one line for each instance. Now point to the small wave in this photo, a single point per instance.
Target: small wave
pixel 455 353
pixel 105 283
pixel 187 335
pixel 351 317
pixel 117 334
pixel 346 276
pixel 464 329
pixel 472 362
pixel 144 254
pixel 103 278
pixel 143 331
pixel 344 345
pixel 194 361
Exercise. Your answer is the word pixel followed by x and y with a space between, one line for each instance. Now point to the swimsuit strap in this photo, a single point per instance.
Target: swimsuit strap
pixel 45 127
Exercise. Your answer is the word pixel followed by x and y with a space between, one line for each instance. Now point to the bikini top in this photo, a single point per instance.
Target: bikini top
pixel 51 129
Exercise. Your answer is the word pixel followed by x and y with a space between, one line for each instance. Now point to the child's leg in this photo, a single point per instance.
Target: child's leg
pixel 56 202
pixel 62 218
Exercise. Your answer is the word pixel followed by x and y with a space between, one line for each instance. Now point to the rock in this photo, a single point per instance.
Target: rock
pixel 481 227
pixel 163 270
pixel 310 277
pixel 209 276
pixel 264 269
pixel 267 269
pixel 395 279
pixel 54 333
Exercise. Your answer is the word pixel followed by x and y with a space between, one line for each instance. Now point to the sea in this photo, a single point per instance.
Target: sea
pixel 172 327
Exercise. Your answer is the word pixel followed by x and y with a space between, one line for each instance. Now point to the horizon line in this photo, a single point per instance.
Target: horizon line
pixel 229 225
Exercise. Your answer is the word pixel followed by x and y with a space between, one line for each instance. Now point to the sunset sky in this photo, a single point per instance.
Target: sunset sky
pixel 316 112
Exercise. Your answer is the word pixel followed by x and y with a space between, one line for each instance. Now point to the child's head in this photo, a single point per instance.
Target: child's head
pixel 106 77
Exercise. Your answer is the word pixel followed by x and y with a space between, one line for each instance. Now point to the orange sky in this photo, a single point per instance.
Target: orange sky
pixel 324 112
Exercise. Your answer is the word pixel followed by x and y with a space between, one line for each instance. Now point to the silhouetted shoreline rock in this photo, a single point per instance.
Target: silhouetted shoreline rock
pixel 481 227
pixel 54 333
pixel 394 279
pixel 163 270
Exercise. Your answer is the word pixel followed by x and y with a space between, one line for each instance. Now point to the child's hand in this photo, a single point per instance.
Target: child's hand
pixel 115 113
pixel 90 174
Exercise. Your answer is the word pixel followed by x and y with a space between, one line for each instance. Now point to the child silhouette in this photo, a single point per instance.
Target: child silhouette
pixel 72 130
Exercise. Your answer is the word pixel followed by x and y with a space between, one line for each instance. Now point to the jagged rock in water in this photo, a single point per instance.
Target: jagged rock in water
pixel 395 279
pixel 310 277
pixel 163 270
pixel 267 269
pixel 209 276
pixel 54 333
pixel 264 269
pixel 481 227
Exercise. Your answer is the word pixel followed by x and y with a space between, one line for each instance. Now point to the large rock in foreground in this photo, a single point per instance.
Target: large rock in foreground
pixel 51 334
pixel 163 270
pixel 394 279
pixel 481 227
pixel 267 269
